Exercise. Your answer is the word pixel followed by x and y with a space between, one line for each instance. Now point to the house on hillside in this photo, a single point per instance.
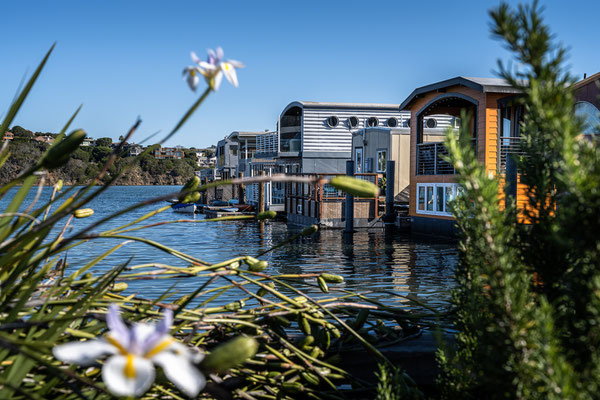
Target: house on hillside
pixel 8 136
pixel 45 138
pixel 169 153
pixel 87 141
pixel 316 137
pixel 134 150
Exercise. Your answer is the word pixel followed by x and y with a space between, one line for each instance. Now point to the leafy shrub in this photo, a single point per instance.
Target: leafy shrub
pixel 528 310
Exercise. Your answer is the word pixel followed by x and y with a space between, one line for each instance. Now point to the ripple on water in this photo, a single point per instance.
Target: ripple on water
pixel 371 261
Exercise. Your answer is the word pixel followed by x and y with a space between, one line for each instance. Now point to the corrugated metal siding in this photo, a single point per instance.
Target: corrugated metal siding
pixel 318 136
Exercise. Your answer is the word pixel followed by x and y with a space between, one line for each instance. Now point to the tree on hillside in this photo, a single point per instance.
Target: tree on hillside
pixel 105 141
pixel 19 131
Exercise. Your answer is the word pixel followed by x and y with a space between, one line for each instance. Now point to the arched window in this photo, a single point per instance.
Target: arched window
pixel 590 116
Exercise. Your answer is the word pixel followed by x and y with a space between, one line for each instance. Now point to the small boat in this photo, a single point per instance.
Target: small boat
pixel 188 208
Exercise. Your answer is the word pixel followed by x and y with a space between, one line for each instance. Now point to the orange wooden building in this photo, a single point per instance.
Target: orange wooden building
pixel 494 135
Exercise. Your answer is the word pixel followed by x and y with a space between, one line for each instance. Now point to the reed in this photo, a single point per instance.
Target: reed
pixel 44 302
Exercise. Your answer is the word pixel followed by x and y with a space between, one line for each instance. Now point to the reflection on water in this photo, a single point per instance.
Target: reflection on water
pixel 372 261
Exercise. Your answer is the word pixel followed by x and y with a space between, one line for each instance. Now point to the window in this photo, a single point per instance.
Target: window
pixel 333 121
pixel 429 198
pixel 590 116
pixel 421 205
pixel 431 123
pixel 407 122
pixel 436 198
pixel 372 121
pixel 353 122
pixel 358 160
pixel 392 122
pixel 381 159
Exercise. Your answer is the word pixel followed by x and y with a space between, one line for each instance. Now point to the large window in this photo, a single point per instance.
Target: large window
pixel 435 198
pixel 381 159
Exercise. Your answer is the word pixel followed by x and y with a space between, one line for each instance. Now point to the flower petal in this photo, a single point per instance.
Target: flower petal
pixel 208 68
pixel 229 72
pixel 116 325
pixel 181 372
pixel 220 53
pixel 180 349
pixel 195 57
pixel 212 57
pixel 83 353
pixel 217 80
pixel 128 375
pixel 193 79
pixel 236 64
pixel 161 329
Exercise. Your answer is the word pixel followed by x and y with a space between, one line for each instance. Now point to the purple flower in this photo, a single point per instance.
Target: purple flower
pixel 212 69
pixel 129 371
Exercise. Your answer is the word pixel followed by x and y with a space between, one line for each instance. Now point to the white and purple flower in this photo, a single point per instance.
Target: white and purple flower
pixel 129 371
pixel 212 69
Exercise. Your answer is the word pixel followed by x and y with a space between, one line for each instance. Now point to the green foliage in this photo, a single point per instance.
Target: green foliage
pixel 19 131
pixel 393 384
pixel 103 142
pixel 45 302
pixel 527 305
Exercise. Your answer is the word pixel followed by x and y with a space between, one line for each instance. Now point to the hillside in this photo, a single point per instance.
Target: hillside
pixel 87 162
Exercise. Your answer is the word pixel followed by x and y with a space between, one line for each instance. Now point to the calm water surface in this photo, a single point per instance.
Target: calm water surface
pixel 370 261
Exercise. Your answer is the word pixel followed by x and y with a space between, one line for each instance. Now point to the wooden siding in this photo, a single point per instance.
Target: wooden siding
pixel 417 105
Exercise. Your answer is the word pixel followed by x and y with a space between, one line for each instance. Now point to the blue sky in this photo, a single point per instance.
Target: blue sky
pixel 121 59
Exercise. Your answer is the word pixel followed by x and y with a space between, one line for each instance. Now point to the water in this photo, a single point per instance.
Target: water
pixel 371 261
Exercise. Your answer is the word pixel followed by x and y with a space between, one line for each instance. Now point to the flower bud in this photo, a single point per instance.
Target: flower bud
pixel 83 212
pixel 230 354
pixel 258 266
pixel 266 215
pixel 189 197
pixel 309 230
pixel 59 154
pixel 330 278
pixel 353 186
pixel 118 287
pixel 322 285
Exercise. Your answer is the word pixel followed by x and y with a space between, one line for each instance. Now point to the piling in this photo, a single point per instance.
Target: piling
pixel 241 191
pixel 390 177
pixel 349 200
pixel 261 194
pixel 510 189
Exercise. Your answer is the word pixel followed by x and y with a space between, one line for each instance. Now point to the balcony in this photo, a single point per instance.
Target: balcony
pixel 508 146
pixel 430 160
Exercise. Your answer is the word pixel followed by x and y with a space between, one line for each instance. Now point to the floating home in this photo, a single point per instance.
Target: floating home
pixel 234 151
pixel 494 134
pixel 316 137
pixel 373 147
